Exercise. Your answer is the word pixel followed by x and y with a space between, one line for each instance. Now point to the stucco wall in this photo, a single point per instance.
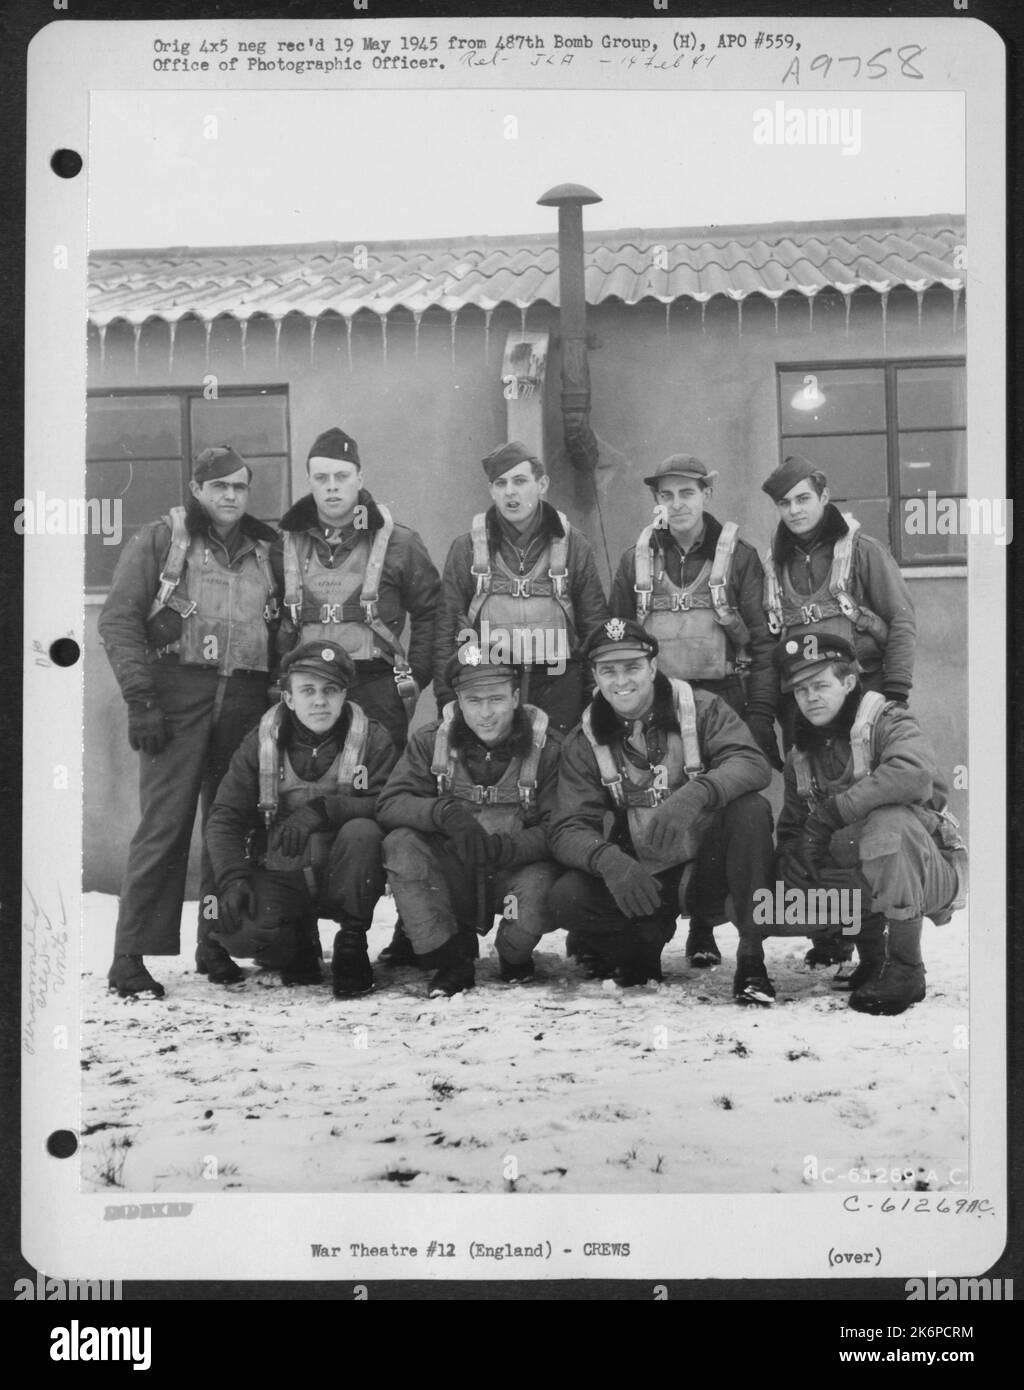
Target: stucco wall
pixel 426 412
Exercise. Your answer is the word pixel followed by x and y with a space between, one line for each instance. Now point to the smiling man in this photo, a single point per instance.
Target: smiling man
pixel 865 805
pixel 292 835
pixel 187 629
pixel 467 809
pixel 676 772
pixel 527 579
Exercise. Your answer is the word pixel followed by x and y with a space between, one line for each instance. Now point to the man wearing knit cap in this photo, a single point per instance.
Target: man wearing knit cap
pixel 677 774
pixel 187 627
pixel 525 580
pixel 865 807
pixel 352 574
pixel 698 588
pixel 467 810
pixel 823 574
pixel 292 835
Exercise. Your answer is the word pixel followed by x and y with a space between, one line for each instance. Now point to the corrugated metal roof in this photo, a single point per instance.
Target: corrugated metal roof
pixel 664 264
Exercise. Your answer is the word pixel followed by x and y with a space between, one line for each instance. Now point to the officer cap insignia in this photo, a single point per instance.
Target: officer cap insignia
pixel 616 629
pixel 326 654
pixel 471 655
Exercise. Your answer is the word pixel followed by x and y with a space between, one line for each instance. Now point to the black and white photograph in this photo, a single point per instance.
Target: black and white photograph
pixel 540 554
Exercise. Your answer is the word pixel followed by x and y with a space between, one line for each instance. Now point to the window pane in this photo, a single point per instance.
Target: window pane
pixel 133 427
pixel 933 461
pixel 854 466
pixel 269 495
pixel 871 512
pixel 932 549
pixel 253 425
pixel 929 397
pixel 145 490
pixel 852 399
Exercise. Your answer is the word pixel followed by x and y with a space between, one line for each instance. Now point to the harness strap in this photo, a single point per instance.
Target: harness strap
pixel 686 715
pixel 644 582
pixel 558 570
pixel 173 566
pixel 772 594
pixel 442 765
pixel 351 759
pixel 861 739
pixel 718 580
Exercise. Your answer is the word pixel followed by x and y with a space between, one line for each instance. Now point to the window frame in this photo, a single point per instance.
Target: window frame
pixel 185 395
pixel 889 366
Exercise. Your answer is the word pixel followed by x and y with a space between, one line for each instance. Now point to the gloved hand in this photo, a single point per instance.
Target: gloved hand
pixel 762 730
pixel 291 835
pixel 668 831
pixel 503 849
pixel 147 732
pixel 236 902
pixel 636 892
pixel 470 839
pixel 790 868
pixel 818 830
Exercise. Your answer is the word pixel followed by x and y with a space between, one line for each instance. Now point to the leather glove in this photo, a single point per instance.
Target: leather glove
pixel 762 730
pixel 818 830
pixel 291 835
pixel 235 903
pixel 471 840
pixel 147 732
pixel 791 870
pixel 636 892
pixel 668 831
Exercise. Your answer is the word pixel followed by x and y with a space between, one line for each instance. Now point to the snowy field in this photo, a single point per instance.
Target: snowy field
pixel 584 1087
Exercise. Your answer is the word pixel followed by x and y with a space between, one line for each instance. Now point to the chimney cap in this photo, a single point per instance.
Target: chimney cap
pixel 566 194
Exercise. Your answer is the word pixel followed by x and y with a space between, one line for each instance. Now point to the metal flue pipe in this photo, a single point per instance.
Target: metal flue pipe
pixel 580 443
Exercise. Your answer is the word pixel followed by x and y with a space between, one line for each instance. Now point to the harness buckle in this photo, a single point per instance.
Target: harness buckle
pixel 521 587
pixel 330 612
pixel 682 603
pixel 810 613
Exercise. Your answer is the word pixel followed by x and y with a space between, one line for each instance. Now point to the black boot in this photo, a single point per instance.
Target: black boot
pixel 641 965
pixel 220 968
pixel 302 965
pixel 870 959
pixel 455 959
pixel 510 973
pixel 829 949
pixel 701 948
pixel 399 951
pixel 129 976
pixel 350 965
pixel 900 982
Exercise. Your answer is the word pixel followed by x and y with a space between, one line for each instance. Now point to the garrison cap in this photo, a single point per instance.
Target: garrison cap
pixel 470 665
pixel 506 457
pixel 334 444
pixel 797 656
pixel 320 658
pixel 217 462
pixel 619 637
pixel 792 471
pixel 682 466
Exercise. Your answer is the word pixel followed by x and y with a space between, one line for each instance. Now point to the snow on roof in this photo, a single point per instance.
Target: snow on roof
pixel 629 265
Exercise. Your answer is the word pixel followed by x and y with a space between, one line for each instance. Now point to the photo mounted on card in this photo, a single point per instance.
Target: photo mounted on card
pixel 515 542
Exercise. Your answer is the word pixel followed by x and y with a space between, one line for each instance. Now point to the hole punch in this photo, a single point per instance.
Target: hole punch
pixel 66 164
pixel 65 651
pixel 62 1143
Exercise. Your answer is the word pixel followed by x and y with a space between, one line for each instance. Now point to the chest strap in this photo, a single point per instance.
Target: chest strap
pixel 174 568
pixel 717 576
pixel 558 571
pixel 270 769
pixel 686 715
pixel 442 764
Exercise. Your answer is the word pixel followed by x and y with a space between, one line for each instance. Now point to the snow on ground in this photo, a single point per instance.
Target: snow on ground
pixel 589 1088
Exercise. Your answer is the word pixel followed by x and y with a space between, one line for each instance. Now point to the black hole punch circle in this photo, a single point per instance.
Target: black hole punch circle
pixel 66 163
pixel 62 1143
pixel 65 651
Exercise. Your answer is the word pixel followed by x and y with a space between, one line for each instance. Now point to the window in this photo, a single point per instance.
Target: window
pixel 883 434
pixel 140 446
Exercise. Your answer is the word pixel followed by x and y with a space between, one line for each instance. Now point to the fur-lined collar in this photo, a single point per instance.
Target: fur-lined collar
pixel 830 528
pixel 607 726
pixel 807 736
pixel 294 732
pixel 197 523
pixel 517 744
pixel 302 516
pixel 550 527
pixel 662 536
